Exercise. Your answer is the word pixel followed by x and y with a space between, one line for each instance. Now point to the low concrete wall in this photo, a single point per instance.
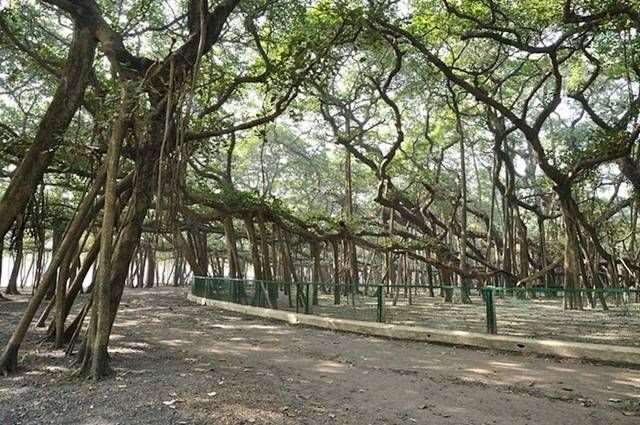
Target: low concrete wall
pixel 578 350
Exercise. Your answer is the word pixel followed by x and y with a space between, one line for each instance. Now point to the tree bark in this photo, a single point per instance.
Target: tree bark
pixel 151 266
pixel 66 100
pixel 572 299
pixel 8 360
pixel 101 313
pixel 61 296
pixel 12 286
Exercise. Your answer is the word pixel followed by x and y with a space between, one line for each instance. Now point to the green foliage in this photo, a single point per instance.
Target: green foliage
pixel 336 53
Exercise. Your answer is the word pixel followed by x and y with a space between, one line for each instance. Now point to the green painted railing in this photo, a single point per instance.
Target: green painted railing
pixel 266 294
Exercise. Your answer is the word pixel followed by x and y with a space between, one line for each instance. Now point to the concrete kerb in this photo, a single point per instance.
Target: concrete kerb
pixel 546 347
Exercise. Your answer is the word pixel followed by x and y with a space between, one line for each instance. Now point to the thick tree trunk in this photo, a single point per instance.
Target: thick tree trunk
pixel 63 106
pixel 57 235
pixel 464 264
pixel 262 295
pixel 61 296
pixel 272 288
pixel 142 260
pixel 12 286
pixel 524 253
pixel 202 251
pixel 40 240
pixel 336 272
pixel 75 288
pixel 177 269
pixel 8 360
pixel 97 366
pixel 572 298
pixel 235 270
pixel 1 258
pixel 187 252
pixel 127 242
pixel 316 273
pixel 253 246
pixel 151 266
pixel 631 171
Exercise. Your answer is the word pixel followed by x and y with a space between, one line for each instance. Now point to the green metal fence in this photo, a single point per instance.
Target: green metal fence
pixel 301 297
pixel 408 304
pixel 593 298
pixel 373 302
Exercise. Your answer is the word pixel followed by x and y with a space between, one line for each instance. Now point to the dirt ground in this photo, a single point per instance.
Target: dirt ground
pixel 179 363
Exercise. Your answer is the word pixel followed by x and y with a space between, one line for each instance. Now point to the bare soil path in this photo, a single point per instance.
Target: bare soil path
pixel 179 363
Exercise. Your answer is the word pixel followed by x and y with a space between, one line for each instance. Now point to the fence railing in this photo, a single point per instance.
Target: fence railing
pixel 370 300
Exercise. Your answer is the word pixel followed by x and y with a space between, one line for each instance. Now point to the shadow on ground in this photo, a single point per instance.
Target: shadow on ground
pixel 179 363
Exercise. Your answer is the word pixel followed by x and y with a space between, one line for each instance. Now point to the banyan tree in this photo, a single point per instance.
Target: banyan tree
pixel 445 143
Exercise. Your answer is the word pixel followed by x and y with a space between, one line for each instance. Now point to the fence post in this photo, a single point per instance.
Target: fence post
pixel 492 326
pixel 380 307
pixel 273 294
pixel 307 303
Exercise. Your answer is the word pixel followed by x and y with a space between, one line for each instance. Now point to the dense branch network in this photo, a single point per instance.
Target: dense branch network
pixel 450 144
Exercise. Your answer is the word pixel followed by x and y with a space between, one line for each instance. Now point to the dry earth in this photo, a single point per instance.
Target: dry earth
pixel 178 363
